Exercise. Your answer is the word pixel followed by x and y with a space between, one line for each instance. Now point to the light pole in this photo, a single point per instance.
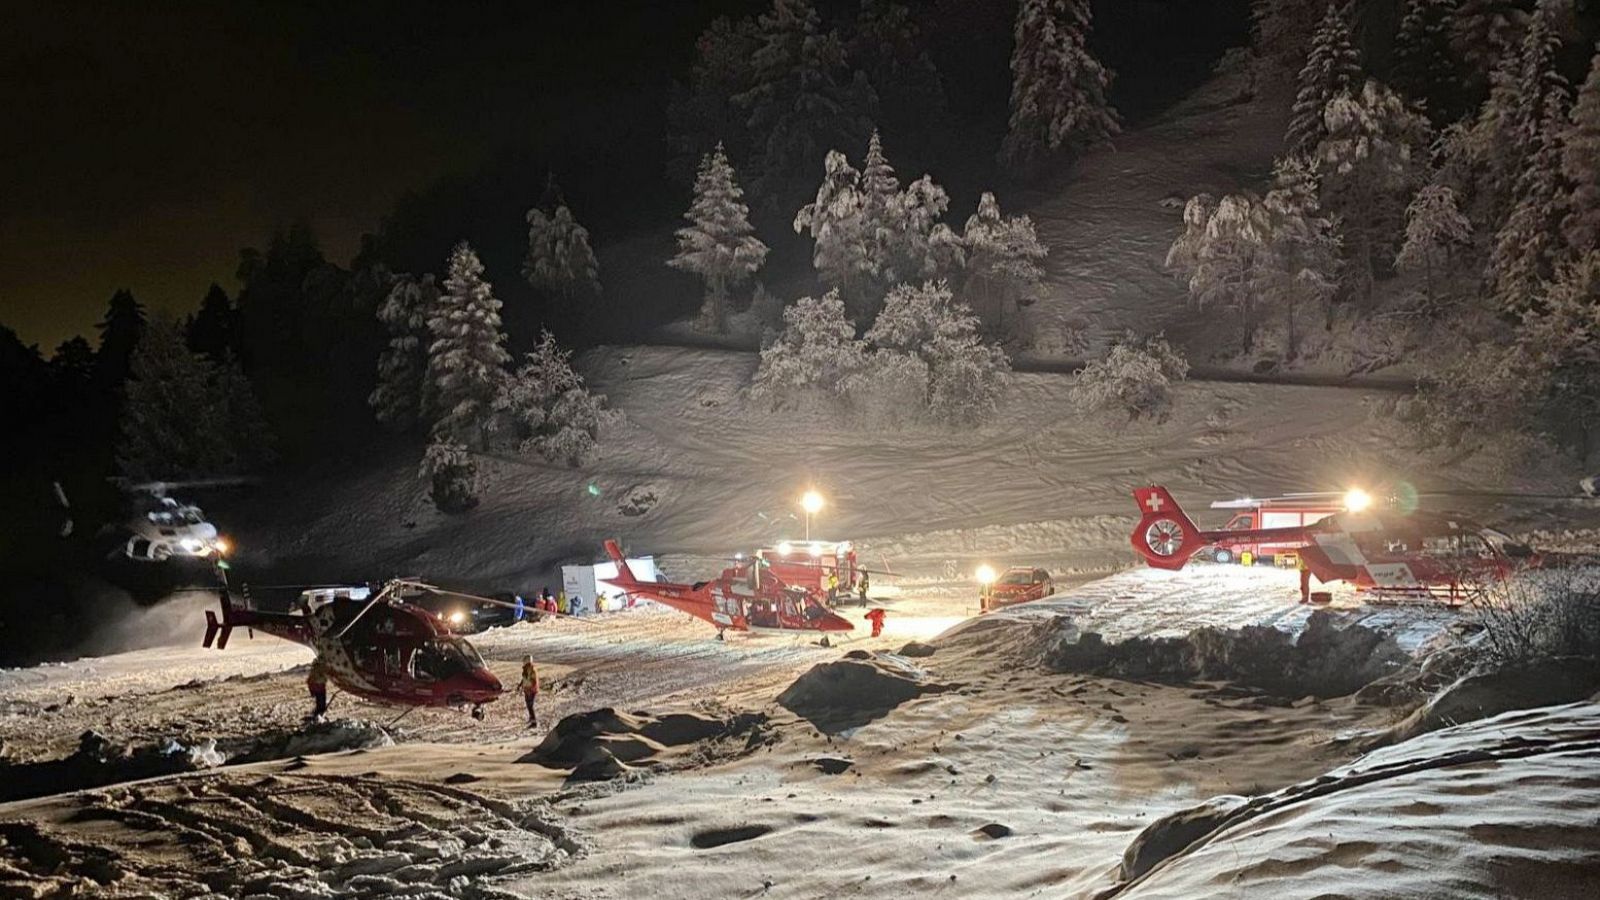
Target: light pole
pixel 811 502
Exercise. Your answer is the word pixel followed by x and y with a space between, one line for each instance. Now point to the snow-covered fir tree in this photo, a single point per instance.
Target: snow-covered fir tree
pixel 1004 264
pixel 1280 33
pixel 397 401
pixel 1184 254
pixel 560 263
pixel 1134 378
pixel 1232 264
pixel 803 99
pixel 843 253
pixel 1371 160
pixel 965 373
pixel 1332 67
pixel 1529 246
pixel 813 357
pixel 719 244
pixel 182 417
pixel 1435 229
pixel 1580 165
pixel 1562 342
pixel 1506 132
pixel 545 408
pixel 1483 32
pixel 1058 88
pixel 1302 245
pixel 451 474
pixel 1424 65
pixel 905 239
pixel 467 358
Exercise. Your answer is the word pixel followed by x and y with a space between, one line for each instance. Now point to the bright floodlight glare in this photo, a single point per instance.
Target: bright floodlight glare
pixel 222 546
pixel 985 574
pixel 811 502
pixel 1357 500
pixel 738 556
pixel 784 547
pixel 816 550
pixel 457 617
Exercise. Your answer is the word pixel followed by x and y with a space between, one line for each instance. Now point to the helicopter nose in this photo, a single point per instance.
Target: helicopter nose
pixel 485 680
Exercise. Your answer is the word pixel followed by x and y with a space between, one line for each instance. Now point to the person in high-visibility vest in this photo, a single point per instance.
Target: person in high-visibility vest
pixel 317 684
pixel 861 589
pixel 833 587
pixel 530 690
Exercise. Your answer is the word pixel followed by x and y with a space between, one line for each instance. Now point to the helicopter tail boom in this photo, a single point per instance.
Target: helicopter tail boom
pixel 625 577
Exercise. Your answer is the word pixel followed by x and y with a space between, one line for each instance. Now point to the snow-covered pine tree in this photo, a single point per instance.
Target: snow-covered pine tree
pixel 1332 66
pixel 1183 255
pixel 1371 160
pixel 1232 263
pixel 1281 33
pixel 1561 342
pixel 905 239
pixel 1424 66
pixel 843 253
pixel 719 244
pixel 452 475
pixel 1580 165
pixel 467 358
pixel 1004 262
pixel 1058 88
pixel 174 424
pixel 1506 132
pixel 1435 229
pixel 803 100
pixel 1483 32
pixel 546 409
pixel 965 373
pixel 1302 245
pixel 813 357
pixel 879 188
pixel 1529 246
pixel 560 263
pixel 397 401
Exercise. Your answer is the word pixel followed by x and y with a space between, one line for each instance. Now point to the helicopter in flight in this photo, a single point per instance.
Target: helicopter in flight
pixel 377 645
pixel 1421 554
pixel 747 596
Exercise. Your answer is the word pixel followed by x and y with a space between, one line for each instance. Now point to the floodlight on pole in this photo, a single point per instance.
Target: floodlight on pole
pixel 811 502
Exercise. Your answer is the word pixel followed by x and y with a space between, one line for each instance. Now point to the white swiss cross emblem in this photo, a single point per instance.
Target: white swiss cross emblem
pixel 1154 502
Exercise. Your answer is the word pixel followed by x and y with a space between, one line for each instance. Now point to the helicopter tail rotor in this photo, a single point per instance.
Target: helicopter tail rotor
pixel 1165 535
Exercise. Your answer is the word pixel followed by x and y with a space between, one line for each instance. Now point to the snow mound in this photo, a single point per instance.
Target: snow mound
pixel 855 690
pixel 603 744
pixel 280 836
pixel 1503 807
pixel 1479 695
pixel 100 760
pixel 1323 660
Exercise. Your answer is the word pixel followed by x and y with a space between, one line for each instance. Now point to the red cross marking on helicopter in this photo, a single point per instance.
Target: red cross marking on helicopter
pixel 1154 502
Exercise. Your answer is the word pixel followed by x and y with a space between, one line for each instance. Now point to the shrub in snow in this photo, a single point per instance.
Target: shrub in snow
pixel 1538 615
pixel 1058 88
pixel 1135 377
pixel 397 401
pixel 452 476
pixel 766 314
pixel 719 244
pixel 545 408
pixel 890 390
pixel 1069 338
pixel 965 373
pixel 466 361
pixel 814 355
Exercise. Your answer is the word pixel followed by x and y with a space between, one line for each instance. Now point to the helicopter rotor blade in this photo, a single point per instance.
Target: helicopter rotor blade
pixel 382 595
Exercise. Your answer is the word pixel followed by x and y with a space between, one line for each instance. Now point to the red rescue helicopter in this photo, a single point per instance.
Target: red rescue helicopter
pixel 380 647
pixel 746 597
pixel 1434 555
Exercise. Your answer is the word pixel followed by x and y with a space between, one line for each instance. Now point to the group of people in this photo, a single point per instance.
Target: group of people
pixel 836 596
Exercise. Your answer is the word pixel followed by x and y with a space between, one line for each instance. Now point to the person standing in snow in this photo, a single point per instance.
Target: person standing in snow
pixel 530 690
pixel 833 587
pixel 317 684
pixel 876 618
pixel 861 589
pixel 561 602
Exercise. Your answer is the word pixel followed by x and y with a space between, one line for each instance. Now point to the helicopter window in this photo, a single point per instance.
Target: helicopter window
pixel 1242 523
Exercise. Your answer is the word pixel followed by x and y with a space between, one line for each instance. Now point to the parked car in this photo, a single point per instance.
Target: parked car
pixel 1019 584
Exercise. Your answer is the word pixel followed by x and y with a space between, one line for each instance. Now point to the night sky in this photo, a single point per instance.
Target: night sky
pixel 143 145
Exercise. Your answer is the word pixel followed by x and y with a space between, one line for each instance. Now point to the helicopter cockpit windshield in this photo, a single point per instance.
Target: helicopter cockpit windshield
pixel 443 658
